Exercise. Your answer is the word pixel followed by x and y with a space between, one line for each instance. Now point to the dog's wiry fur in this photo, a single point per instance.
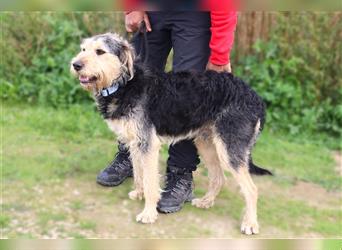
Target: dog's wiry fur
pixel 219 111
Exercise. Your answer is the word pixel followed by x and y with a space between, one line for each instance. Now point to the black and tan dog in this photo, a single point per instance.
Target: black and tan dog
pixel 144 108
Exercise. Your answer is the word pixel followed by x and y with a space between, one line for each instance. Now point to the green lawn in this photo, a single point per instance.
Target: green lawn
pixel 50 159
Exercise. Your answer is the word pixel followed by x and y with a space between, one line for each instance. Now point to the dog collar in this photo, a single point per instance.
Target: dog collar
pixel 114 87
pixel 111 90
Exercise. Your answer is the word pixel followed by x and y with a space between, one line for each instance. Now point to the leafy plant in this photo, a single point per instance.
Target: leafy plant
pixel 37 51
pixel 298 73
pixel 297 70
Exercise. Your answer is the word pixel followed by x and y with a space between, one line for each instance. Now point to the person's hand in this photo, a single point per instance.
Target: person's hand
pixel 134 19
pixel 219 68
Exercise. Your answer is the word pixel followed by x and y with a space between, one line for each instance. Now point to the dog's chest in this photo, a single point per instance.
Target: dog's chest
pixel 126 130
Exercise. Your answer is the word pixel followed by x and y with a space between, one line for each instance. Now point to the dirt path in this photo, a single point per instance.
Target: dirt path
pixel 79 208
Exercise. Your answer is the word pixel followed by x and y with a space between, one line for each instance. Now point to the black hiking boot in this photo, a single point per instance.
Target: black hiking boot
pixel 118 170
pixel 177 191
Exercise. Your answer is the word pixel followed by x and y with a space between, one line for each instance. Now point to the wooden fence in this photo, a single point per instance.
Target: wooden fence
pixel 252 26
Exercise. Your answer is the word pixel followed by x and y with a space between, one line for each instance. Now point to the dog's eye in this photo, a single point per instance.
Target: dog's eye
pixel 83 49
pixel 100 52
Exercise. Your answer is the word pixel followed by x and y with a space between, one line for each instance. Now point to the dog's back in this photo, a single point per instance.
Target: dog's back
pixel 184 101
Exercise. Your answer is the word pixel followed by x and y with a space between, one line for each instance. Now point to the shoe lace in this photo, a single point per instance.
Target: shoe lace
pixel 120 162
pixel 171 179
pixel 175 184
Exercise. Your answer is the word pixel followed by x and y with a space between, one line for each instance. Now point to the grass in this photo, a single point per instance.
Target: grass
pixel 4 221
pixel 88 225
pixel 306 161
pixel 76 141
pixel 51 158
pixel 63 142
pixel 77 205
pixel 46 217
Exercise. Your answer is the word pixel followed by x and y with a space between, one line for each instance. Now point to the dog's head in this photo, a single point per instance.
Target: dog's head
pixel 103 59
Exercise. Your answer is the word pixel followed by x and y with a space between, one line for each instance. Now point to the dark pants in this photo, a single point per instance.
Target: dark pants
pixel 188 33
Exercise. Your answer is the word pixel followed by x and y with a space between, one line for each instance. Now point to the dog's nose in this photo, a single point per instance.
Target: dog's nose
pixel 77 65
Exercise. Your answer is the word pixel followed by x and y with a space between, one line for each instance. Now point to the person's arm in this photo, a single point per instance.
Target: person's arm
pixel 223 24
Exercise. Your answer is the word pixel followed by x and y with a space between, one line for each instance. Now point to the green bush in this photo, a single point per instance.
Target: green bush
pixel 297 70
pixel 298 73
pixel 37 51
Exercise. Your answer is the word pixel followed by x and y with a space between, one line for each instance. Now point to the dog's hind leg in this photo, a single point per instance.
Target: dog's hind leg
pixel 233 148
pixel 207 152
pixel 145 155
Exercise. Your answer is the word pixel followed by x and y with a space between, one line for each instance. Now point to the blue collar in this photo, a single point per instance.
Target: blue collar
pixel 110 90
pixel 114 87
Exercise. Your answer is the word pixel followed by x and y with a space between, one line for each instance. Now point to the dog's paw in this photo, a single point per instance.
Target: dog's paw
pixel 203 203
pixel 136 195
pixel 147 216
pixel 249 226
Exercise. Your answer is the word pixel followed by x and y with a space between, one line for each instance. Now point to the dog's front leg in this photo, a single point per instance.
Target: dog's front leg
pixel 138 192
pixel 145 162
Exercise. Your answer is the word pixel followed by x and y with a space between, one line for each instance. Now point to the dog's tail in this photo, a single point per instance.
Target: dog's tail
pixel 254 169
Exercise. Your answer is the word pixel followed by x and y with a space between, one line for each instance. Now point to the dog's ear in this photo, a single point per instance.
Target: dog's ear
pixel 127 57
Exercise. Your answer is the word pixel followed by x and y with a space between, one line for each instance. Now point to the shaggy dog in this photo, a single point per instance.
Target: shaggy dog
pixel 221 113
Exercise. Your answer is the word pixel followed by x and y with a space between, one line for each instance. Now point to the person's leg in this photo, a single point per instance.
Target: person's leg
pixel 190 41
pixel 159 42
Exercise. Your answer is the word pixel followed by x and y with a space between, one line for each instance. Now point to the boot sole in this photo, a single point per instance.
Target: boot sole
pixel 110 184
